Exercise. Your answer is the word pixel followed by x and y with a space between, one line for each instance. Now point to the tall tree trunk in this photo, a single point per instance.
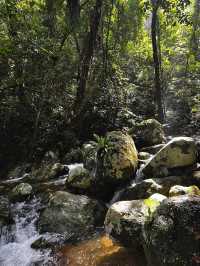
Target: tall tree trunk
pixel 196 30
pixel 87 55
pixel 156 58
pixel 13 27
pixel 51 16
pixel 74 12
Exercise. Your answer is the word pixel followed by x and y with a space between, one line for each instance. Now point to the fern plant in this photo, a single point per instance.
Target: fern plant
pixel 103 143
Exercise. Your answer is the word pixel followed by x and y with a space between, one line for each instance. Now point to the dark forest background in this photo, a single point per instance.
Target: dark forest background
pixel 72 68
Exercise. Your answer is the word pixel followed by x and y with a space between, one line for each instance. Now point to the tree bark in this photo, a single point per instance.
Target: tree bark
pixel 87 55
pixel 156 59
pixel 196 30
pixel 51 16
pixel 74 11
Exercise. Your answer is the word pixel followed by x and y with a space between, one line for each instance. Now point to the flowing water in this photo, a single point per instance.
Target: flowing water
pixel 15 246
pixel 15 242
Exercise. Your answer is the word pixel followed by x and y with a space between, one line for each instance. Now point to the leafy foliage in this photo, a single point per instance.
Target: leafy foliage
pixel 41 50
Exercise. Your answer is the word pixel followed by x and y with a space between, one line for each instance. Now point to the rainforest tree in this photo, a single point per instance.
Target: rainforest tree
pixel 68 68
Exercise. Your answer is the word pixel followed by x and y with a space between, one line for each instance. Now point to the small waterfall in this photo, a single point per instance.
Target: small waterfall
pixel 15 241
pixel 116 197
pixel 72 166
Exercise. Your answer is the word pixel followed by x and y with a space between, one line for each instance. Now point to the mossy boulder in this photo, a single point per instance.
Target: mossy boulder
pixel 57 170
pixel 179 152
pixel 50 241
pixel 147 187
pixel 181 190
pixel 141 190
pixel 116 162
pixel 172 235
pixel 125 219
pixel 152 203
pixel 21 192
pixel 48 171
pixel 71 214
pixel 79 180
pixel 147 133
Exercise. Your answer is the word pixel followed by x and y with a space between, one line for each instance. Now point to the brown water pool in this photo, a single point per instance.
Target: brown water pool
pixel 101 251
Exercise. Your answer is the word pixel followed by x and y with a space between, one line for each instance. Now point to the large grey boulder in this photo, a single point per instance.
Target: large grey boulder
pixel 47 171
pixel 71 214
pixel 116 162
pixel 179 152
pixel 147 133
pixel 125 219
pixel 147 187
pixel 182 190
pixel 80 180
pixel 124 222
pixel 107 165
pixel 172 235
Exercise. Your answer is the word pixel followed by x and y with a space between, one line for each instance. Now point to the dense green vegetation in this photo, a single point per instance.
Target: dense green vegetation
pixel 72 68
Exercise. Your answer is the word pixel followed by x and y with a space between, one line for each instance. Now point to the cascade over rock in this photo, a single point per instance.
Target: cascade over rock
pixel 179 152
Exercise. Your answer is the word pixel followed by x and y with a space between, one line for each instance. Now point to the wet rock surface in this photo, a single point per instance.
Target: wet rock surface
pixel 5 213
pixel 69 213
pixel 134 218
pixel 171 237
pixel 124 222
pixel 181 190
pixel 179 152
pixel 21 192
pixel 147 187
pixel 147 133
pixel 80 180
pixel 48 171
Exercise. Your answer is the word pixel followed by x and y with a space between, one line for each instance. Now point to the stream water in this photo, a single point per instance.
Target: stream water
pixel 16 240
pixel 15 246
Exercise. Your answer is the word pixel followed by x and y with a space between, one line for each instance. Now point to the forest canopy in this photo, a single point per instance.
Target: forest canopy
pixel 70 68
